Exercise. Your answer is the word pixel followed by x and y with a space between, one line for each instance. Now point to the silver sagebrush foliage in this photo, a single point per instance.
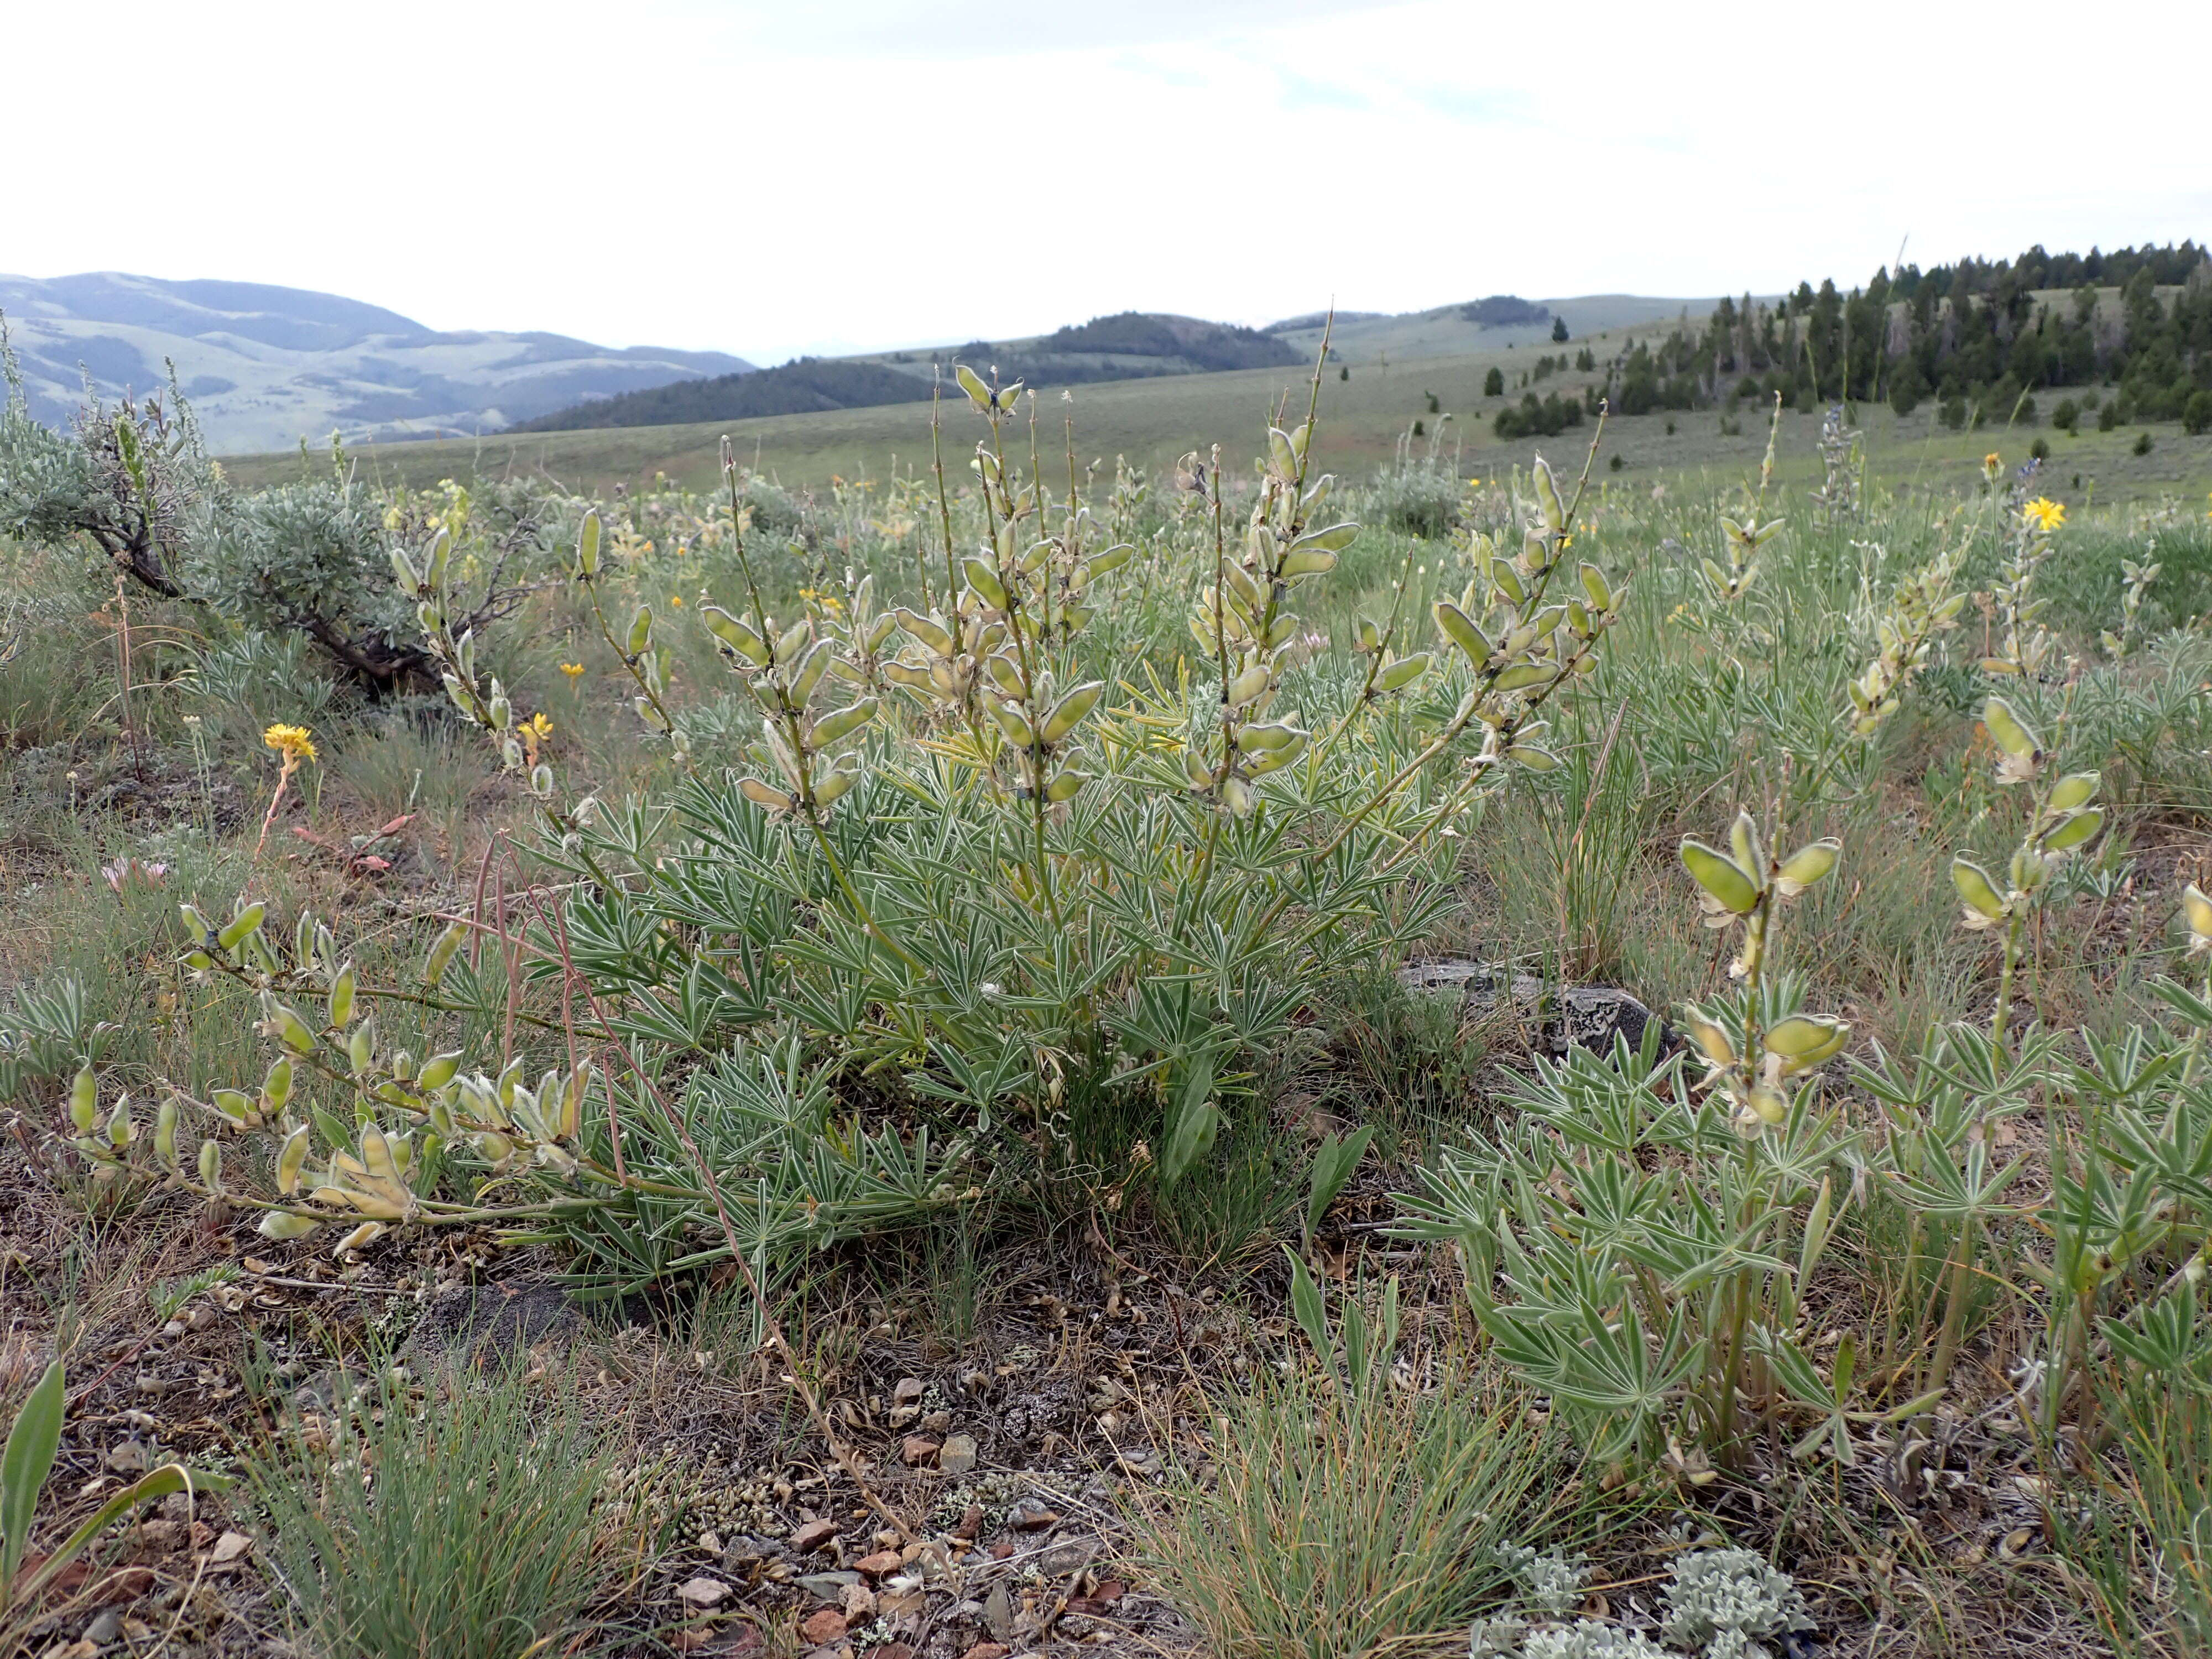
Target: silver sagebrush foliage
pixel 1586 1639
pixel 1728 1600
pixel 1550 1583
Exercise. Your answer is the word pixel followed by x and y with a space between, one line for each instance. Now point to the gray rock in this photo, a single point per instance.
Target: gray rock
pixel 105 1629
pixel 959 1455
pixel 1559 1017
pixel 827 1586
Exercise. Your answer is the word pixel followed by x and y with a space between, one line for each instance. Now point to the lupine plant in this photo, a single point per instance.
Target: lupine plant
pixel 980 889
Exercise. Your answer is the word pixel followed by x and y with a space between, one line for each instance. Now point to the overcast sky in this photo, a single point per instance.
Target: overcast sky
pixel 804 176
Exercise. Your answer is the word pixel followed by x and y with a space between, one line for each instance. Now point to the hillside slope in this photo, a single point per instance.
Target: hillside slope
pixel 265 366
pixel 1129 346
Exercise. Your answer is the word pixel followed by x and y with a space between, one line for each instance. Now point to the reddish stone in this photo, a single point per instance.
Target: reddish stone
pixel 823 1628
pixel 813 1536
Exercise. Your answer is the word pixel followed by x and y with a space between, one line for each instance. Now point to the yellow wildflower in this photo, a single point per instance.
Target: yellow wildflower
pixel 538 727
pixel 676 599
pixel 295 743
pixel 573 670
pixel 2044 514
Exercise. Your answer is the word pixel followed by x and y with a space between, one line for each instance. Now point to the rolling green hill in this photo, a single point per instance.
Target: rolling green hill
pixel 1364 419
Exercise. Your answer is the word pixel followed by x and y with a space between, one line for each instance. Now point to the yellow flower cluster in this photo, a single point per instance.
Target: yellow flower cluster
pixel 2044 514
pixel 295 743
pixel 573 670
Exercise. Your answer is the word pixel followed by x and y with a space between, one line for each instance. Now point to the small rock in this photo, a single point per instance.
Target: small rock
pixel 1002 1549
pixel 822 1628
pixel 1033 1517
pixel 959 1455
pixel 710 1543
pixel 891 1651
pixel 229 1547
pixel 907 1389
pixel 971 1524
pixel 1066 1558
pixel 937 1423
pixel 916 1451
pixel 741 1553
pixel 160 1536
pixel 881 1562
pixel 999 1612
pixel 859 1604
pixel 702 1592
pixel 827 1586
pixel 988 1651
pixel 812 1536
pixel 105 1629
pixel 126 1457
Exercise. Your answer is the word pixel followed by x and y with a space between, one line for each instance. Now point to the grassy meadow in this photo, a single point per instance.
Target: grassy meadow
pixel 757 1064
pixel 1153 421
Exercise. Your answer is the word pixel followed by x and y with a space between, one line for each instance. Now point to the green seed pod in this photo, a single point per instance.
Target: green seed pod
pixel 439 1070
pixel 233 1105
pixel 2075 829
pixel 2008 731
pixel 1984 904
pixel 985 580
pixel 2076 789
pixel 1458 628
pixel 245 921
pixel 1522 675
pixel 1403 672
pixel 1726 883
pixel 1594 584
pixel 1013 723
pixel 442 551
pixel 762 794
pixel 1712 1038
pixel 1239 797
pixel 359 1238
pixel 342 998
pixel 1806 866
pixel 360 1046
pixel 291 1159
pixel 641 630
pixel 211 1165
pixel 810 669
pixel 1807 1039
pixel 404 573
pixel 441 953
pixel 1547 497
pixel 282 1226
pixel 587 546
pixel 2196 913
pixel 1249 684
pixel 830 788
pixel 1306 561
pixel 276 1087
pixel 84 1099
pixel 926 629
pixel 1063 787
pixel 1070 710
pixel 1744 844
pixel 289 1028
pixel 165 1132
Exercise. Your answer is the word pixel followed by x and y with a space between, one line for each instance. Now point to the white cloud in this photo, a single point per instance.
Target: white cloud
pixel 770 179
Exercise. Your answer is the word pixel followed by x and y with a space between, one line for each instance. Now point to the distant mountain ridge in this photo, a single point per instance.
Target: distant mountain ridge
pixel 265 366
pixel 1127 346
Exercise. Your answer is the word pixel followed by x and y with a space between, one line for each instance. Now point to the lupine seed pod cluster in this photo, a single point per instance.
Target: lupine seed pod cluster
pixel 1744 885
